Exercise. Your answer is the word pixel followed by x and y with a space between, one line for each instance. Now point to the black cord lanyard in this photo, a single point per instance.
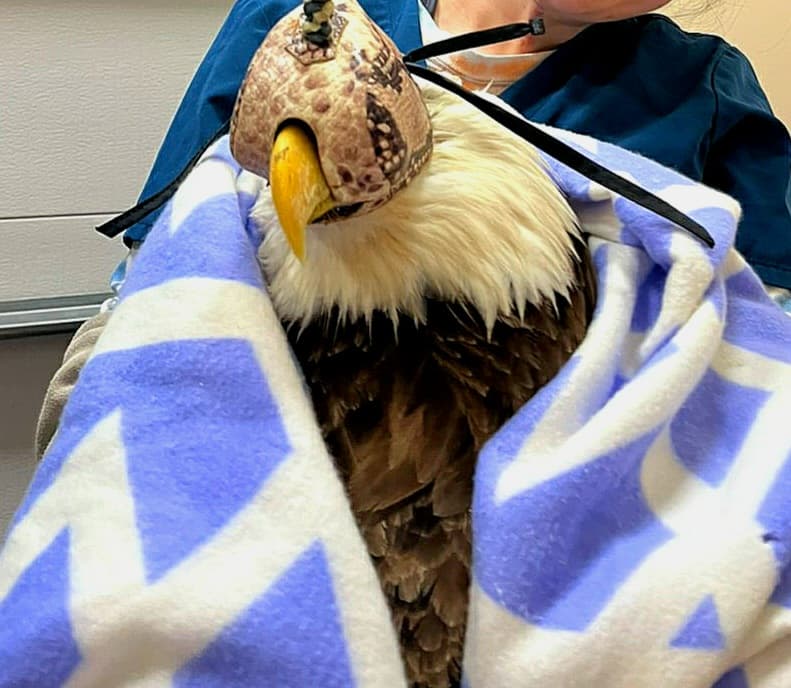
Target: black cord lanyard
pixel 557 149
pixel 112 228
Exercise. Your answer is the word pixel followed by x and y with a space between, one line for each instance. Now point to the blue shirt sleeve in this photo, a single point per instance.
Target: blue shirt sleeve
pixel 210 97
pixel 750 159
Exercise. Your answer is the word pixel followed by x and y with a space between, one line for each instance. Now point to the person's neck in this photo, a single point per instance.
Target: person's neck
pixel 462 16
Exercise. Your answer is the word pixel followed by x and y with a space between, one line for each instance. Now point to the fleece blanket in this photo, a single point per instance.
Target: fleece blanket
pixel 632 523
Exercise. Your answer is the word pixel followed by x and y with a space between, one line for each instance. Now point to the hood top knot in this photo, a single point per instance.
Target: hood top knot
pixel 316 22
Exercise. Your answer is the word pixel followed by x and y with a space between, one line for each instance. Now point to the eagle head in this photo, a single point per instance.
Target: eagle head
pixel 385 191
pixel 339 115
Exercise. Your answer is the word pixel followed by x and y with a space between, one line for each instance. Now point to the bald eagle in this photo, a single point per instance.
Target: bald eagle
pixel 431 278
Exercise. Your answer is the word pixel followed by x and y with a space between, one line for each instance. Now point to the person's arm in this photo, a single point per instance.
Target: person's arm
pixel 750 159
pixel 210 97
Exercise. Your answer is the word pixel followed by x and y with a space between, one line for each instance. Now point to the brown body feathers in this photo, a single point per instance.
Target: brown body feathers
pixel 404 414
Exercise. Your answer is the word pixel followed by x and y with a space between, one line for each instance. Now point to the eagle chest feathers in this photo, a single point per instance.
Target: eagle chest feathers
pixel 431 278
pixel 404 413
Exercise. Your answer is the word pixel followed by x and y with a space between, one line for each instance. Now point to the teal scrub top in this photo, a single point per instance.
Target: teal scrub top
pixel 689 101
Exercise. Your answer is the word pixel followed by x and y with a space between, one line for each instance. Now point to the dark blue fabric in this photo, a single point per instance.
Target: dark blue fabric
pixel 689 101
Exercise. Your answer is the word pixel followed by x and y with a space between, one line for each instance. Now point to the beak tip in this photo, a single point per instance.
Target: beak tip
pixel 295 236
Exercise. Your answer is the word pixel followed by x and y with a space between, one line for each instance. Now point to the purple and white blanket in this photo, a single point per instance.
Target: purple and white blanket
pixel 632 523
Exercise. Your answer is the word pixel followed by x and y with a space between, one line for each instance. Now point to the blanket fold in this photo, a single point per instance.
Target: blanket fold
pixel 632 524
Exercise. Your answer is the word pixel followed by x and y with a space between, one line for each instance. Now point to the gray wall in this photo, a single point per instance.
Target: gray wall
pixel 26 366
pixel 88 90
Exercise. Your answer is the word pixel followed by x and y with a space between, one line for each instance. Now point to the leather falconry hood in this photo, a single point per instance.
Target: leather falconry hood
pixel 330 68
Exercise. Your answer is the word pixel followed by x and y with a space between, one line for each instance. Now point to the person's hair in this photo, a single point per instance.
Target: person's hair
pixel 692 8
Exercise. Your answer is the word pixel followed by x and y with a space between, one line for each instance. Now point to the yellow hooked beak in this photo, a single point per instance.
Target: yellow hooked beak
pixel 299 191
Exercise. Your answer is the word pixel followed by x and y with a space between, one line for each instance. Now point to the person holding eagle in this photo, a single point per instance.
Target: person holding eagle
pixel 414 363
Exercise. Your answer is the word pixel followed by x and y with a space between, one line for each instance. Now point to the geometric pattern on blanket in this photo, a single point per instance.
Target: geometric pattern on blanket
pixel 631 522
